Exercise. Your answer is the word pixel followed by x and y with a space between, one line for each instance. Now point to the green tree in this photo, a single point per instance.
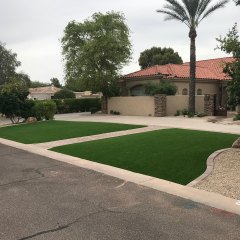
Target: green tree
pixel 24 78
pixel 94 51
pixel 63 94
pixel 55 82
pixel 36 84
pixel 12 99
pixel 158 56
pixel 191 13
pixel 8 64
pixel 231 45
pixel 237 2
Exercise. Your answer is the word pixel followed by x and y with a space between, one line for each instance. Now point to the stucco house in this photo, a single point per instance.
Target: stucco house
pixel 210 78
pixel 45 93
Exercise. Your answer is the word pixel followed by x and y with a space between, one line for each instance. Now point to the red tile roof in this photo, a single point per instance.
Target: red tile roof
pixel 205 69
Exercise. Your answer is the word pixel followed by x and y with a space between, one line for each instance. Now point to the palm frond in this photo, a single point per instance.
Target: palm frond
pixel 219 5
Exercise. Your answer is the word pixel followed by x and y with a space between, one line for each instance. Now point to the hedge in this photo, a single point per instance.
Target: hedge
pixel 72 105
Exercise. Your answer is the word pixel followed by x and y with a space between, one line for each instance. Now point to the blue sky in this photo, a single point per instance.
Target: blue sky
pixel 33 30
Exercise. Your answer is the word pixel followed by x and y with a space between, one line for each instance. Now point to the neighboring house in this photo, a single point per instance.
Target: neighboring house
pixel 44 93
pixel 210 78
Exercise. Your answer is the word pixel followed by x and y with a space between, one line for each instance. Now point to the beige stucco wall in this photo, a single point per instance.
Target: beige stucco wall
pixel 40 96
pixel 179 102
pixel 132 106
pixel 207 87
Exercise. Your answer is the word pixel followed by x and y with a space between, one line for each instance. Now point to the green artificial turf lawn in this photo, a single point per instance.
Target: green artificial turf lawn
pixel 176 155
pixel 57 130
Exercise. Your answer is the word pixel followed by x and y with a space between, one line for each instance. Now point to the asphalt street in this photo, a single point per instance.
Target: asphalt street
pixel 41 198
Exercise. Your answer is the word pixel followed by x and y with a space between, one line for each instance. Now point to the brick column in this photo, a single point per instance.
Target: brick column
pixel 209 104
pixel 104 104
pixel 160 105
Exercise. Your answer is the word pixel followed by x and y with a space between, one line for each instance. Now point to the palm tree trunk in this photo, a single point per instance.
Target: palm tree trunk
pixel 192 85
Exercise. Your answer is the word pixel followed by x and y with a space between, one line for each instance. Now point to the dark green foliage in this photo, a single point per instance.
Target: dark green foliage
pixel 8 64
pixel 93 110
pixel 190 114
pixel 175 155
pixel 37 84
pixel 12 100
pixel 184 112
pixel 55 82
pixel 47 131
pixel 231 45
pixel 44 110
pixel 24 78
pixel 158 56
pixel 237 117
pixel 167 88
pixel 63 94
pixel 94 51
pixel 77 105
pixel 178 113
pixel 27 109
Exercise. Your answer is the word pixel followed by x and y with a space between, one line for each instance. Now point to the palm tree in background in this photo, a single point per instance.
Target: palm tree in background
pixel 237 2
pixel 191 13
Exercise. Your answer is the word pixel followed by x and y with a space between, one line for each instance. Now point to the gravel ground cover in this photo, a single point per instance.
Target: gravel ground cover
pixel 225 178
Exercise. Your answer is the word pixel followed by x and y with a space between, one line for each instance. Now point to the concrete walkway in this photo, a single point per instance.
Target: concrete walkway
pixel 48 145
pixel 44 199
pixel 172 122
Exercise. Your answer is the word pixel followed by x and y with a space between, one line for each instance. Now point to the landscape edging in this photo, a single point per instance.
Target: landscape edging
pixel 210 167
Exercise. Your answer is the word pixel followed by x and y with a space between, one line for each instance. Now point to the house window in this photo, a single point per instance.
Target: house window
pixel 185 91
pixel 138 90
pixel 199 91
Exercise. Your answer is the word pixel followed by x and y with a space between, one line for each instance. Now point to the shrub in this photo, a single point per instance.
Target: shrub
pixel 12 99
pixel 178 113
pixel 184 112
pixel 27 109
pixel 44 109
pixel 77 105
pixel 93 110
pixel 63 94
pixel 160 88
pixel 50 109
pixel 237 117
pixel 190 114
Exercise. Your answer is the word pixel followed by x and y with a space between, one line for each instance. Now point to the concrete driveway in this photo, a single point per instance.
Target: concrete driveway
pixel 41 198
pixel 172 122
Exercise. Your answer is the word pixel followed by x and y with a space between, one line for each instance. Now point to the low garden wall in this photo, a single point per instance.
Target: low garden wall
pixel 180 102
pixel 132 106
pixel 158 105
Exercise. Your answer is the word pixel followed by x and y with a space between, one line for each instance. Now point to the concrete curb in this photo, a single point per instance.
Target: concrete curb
pixel 207 198
pixel 210 167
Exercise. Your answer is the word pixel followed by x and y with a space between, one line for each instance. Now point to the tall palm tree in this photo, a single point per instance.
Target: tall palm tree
pixel 191 13
pixel 237 2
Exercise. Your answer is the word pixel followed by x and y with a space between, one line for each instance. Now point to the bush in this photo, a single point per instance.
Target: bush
pixel 27 109
pixel 237 117
pixel 178 113
pixel 184 112
pixel 12 100
pixel 63 94
pixel 77 105
pixel 190 114
pixel 44 109
pixel 160 88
